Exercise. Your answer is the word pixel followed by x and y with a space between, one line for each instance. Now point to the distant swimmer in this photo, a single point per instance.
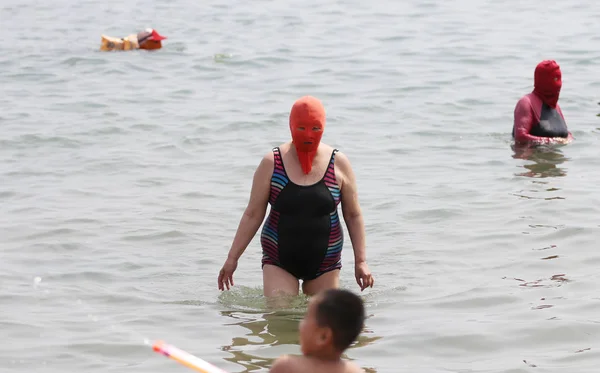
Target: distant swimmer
pixel 303 180
pixel 538 118
pixel 148 39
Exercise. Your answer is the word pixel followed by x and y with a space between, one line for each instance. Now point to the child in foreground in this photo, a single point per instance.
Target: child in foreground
pixel 333 321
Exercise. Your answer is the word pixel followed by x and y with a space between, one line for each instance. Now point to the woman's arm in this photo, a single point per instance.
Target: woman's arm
pixel 351 208
pixel 354 221
pixel 255 211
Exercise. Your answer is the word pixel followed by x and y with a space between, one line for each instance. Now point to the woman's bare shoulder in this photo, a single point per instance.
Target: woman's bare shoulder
pixel 265 167
pixel 342 161
pixel 268 158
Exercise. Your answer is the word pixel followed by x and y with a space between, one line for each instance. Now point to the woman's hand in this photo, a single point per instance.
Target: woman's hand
pixel 562 140
pixel 364 279
pixel 226 274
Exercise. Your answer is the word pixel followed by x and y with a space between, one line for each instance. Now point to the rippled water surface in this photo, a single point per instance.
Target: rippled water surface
pixel 124 176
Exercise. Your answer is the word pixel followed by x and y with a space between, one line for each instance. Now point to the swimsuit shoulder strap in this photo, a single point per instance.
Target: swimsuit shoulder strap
pixel 330 179
pixel 278 159
pixel 279 178
pixel 332 158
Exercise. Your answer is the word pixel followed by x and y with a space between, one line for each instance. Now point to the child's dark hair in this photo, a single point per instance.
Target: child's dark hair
pixel 343 312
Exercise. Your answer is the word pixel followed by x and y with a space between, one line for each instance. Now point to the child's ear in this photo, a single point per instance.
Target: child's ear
pixel 325 336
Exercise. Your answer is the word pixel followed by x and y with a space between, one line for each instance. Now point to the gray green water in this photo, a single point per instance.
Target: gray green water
pixel 124 175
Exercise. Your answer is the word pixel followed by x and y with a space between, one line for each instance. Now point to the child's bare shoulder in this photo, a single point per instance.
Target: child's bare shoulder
pixel 286 364
pixel 352 368
pixel 302 364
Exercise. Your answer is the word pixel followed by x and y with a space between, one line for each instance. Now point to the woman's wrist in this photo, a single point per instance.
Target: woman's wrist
pixel 360 257
pixel 234 255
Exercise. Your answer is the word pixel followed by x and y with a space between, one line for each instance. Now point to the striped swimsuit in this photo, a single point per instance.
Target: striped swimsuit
pixel 302 233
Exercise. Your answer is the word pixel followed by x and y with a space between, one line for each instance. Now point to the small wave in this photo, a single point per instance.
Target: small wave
pixel 155 236
pixel 73 61
pixel 553 281
pixel 52 233
pixel 31 77
pixel 34 140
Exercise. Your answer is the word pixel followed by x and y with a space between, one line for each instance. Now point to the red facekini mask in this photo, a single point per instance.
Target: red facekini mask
pixel 307 122
pixel 548 82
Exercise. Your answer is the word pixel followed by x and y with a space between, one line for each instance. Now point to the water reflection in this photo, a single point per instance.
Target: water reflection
pixel 546 160
pixel 270 335
pixel 265 330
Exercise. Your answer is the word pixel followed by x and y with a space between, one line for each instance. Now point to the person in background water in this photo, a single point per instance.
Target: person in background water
pixel 148 39
pixel 538 118
pixel 333 321
pixel 303 180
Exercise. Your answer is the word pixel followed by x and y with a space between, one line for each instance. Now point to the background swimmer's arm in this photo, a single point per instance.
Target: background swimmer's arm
pixel 256 209
pixel 351 208
pixel 524 119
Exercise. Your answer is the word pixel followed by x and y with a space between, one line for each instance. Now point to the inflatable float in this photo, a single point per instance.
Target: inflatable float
pixel 185 358
pixel 148 39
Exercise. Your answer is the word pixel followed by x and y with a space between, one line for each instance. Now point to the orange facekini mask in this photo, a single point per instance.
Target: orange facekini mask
pixel 307 122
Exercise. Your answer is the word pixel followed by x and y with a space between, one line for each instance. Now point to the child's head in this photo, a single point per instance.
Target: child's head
pixel 333 321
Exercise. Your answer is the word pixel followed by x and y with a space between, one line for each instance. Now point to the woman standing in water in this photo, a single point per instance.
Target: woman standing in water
pixel 538 118
pixel 303 180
